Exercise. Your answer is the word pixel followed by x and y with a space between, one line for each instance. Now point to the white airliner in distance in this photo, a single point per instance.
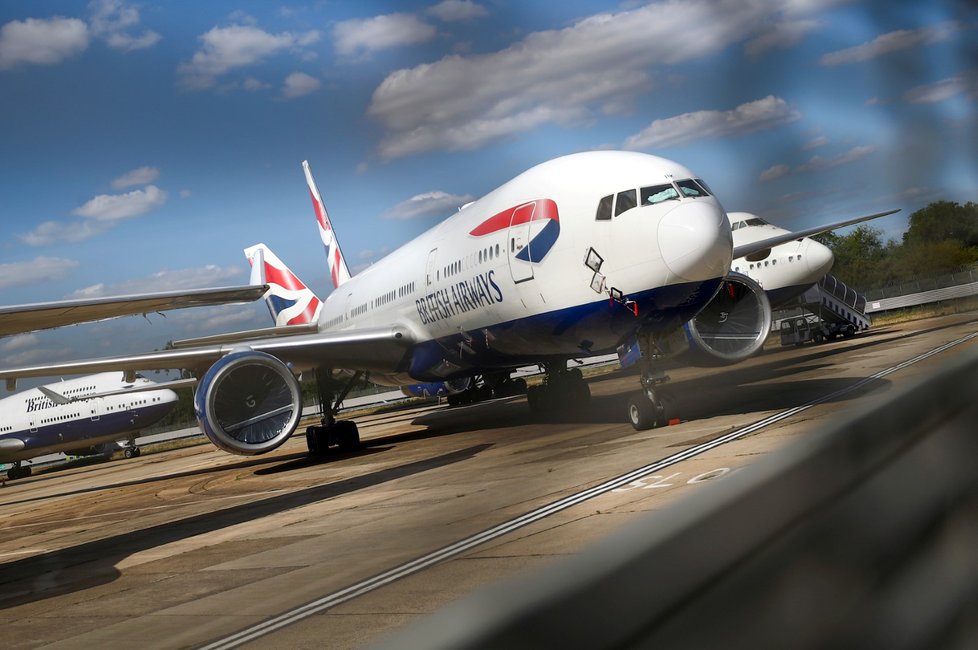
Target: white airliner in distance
pixel 80 417
pixel 571 258
pixel 784 271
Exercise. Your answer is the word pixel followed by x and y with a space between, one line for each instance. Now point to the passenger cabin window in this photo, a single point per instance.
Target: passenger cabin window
pixel 604 208
pixel 689 188
pixel 658 194
pixel 626 201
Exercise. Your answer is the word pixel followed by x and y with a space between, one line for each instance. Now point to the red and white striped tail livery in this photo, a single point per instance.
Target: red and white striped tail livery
pixel 338 270
pixel 290 301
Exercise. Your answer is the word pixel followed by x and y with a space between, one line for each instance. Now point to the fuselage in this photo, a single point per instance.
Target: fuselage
pixel 33 424
pixel 784 271
pixel 523 274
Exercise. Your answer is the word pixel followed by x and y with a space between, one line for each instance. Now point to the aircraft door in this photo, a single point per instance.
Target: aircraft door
pixel 518 239
pixel 429 272
pixel 96 409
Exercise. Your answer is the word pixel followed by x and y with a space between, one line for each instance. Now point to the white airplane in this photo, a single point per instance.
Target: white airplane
pixel 783 271
pixel 80 417
pixel 569 259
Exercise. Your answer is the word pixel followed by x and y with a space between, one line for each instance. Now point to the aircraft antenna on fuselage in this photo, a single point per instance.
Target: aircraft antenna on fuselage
pixel 338 270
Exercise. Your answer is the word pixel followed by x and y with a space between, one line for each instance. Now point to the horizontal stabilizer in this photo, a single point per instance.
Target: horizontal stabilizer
pixel 246 335
pixel 57 398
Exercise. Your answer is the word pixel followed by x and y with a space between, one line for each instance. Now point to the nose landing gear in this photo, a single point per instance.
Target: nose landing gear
pixel 652 406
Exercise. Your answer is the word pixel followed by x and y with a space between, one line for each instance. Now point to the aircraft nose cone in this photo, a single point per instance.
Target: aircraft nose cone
pixel 819 259
pixel 695 242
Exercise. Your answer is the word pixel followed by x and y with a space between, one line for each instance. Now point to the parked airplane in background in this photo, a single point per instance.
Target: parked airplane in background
pixel 80 417
pixel 784 271
pixel 568 259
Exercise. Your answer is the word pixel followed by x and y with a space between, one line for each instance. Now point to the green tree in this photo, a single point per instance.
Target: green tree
pixel 943 221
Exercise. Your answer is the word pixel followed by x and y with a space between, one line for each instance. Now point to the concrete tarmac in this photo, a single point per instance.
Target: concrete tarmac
pixel 186 547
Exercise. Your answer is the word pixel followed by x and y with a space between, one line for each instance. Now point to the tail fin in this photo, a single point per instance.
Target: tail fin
pixel 288 299
pixel 338 270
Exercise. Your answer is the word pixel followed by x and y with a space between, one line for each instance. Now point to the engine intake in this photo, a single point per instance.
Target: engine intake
pixel 248 403
pixel 732 326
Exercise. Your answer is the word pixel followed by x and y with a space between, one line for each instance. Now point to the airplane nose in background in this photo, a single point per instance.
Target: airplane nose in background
pixel 695 242
pixel 819 258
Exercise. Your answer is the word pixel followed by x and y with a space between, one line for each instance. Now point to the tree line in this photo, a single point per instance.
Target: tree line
pixel 942 238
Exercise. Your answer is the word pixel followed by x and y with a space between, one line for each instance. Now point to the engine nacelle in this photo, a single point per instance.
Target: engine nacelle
pixel 732 326
pixel 248 403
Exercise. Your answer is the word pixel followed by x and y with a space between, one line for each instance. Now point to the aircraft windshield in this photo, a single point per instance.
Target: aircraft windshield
pixel 691 188
pixel 658 194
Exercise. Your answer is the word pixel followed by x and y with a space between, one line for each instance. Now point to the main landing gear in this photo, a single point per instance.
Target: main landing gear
pixel 131 450
pixel 331 432
pixel 18 471
pixel 504 387
pixel 652 406
pixel 561 389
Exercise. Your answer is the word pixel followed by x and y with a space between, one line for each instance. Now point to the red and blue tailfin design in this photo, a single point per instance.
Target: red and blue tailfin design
pixel 338 270
pixel 289 300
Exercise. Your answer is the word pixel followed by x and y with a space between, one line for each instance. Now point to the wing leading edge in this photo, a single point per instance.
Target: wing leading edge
pixel 754 247
pixel 372 350
pixel 18 319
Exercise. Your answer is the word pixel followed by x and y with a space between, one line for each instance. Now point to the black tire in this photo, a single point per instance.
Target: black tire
pixel 850 330
pixel 817 337
pixel 347 435
pixel 129 452
pixel 533 398
pixel 519 386
pixel 641 412
pixel 314 442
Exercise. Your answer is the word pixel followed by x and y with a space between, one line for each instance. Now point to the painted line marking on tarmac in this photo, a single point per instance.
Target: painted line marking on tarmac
pixel 370 584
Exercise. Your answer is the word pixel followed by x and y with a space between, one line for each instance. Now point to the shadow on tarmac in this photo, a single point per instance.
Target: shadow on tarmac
pixel 93 563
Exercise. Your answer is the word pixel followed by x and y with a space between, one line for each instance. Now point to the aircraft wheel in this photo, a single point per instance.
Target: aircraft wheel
pixel 314 441
pixel 347 435
pixel 535 398
pixel 641 412
pixel 519 386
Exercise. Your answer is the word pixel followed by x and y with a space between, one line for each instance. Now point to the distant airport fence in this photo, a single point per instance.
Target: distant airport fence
pixel 922 291
pixel 862 536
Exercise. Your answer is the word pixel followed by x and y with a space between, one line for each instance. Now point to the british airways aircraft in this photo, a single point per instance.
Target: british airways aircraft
pixel 571 258
pixel 79 417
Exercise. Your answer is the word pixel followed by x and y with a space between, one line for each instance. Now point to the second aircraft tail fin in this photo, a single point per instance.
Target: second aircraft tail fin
pixel 338 271
pixel 289 300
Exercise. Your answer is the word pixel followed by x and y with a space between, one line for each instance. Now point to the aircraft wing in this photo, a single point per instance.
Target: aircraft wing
pixel 380 349
pixel 46 315
pixel 755 247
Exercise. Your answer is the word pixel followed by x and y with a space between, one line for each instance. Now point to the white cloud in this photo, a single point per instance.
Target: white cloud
pixel 226 48
pixel 181 279
pixel 41 41
pixel 111 20
pixel 252 85
pixel 602 63
pixel 761 114
pixel 891 42
pixel 298 84
pixel 359 36
pixel 781 36
pixel 818 163
pixel 36 271
pixel 19 342
pixel 140 176
pixel 815 143
pixel 427 205
pixel 777 171
pixel 111 207
pixel 457 10
pixel 944 89
pixel 185 194
pixel 53 232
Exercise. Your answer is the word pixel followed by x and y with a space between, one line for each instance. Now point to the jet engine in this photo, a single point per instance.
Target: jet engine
pixel 732 326
pixel 248 403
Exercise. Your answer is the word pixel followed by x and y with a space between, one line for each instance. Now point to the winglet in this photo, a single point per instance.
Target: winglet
pixel 289 300
pixel 338 270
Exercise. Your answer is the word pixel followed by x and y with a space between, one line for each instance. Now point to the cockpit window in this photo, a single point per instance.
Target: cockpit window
pixel 756 221
pixel 691 189
pixel 704 185
pixel 626 201
pixel 737 225
pixel 604 208
pixel 658 194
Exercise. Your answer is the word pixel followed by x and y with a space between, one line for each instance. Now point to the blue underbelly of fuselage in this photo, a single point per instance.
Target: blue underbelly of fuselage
pixel 583 330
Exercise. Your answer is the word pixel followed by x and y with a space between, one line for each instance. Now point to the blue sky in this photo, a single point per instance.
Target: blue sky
pixel 146 143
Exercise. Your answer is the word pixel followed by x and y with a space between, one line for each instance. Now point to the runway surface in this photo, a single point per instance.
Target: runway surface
pixel 190 547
